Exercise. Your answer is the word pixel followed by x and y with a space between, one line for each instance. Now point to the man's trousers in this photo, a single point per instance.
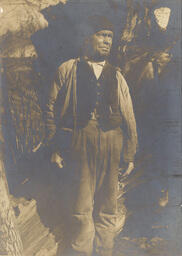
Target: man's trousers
pixel 93 182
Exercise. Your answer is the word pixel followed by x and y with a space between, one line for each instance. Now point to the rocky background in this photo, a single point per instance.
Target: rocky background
pixel 35 37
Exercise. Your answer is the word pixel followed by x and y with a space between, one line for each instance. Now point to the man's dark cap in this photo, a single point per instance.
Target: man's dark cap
pixel 98 22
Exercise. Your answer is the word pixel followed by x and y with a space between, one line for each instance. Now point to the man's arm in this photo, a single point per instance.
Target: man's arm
pixel 50 126
pixel 130 132
pixel 62 77
pixel 48 111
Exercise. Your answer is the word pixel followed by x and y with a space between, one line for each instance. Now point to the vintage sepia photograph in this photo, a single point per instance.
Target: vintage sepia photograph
pixel 90 128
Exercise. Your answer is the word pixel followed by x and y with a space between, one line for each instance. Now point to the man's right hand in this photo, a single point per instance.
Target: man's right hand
pixel 57 159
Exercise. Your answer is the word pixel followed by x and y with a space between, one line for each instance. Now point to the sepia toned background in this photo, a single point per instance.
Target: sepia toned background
pixel 36 36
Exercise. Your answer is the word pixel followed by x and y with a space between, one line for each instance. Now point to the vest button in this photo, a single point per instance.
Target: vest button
pixel 98 84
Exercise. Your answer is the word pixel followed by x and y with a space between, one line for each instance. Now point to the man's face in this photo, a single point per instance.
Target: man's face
pixel 101 43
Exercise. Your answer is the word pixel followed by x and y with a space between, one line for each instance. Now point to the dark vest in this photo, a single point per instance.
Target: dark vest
pixel 101 94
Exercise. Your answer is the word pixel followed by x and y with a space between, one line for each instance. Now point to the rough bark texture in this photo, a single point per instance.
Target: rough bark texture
pixel 10 241
pixel 37 239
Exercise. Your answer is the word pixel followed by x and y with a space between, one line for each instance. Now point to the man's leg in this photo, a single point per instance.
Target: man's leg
pixel 105 214
pixel 82 185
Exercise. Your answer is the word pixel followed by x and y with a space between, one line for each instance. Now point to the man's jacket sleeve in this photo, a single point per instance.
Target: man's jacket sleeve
pixel 129 125
pixel 50 126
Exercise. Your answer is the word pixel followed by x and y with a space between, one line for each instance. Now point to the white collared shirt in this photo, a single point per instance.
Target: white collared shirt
pixel 97 67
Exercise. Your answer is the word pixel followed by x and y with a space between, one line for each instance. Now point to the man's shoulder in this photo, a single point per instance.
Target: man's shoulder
pixel 119 73
pixel 121 79
pixel 119 76
pixel 116 68
pixel 119 70
pixel 67 64
pixel 66 68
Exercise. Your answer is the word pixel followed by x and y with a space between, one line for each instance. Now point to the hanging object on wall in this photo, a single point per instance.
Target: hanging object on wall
pixel 162 16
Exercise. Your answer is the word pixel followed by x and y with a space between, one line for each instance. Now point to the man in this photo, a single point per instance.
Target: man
pixel 90 127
